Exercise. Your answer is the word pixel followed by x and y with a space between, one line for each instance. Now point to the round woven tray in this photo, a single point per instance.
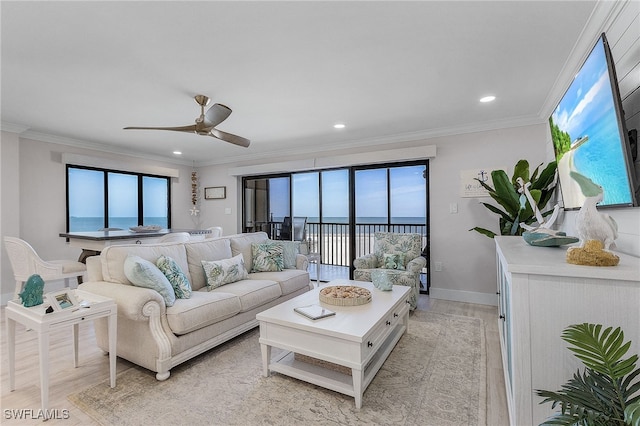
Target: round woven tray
pixel 345 295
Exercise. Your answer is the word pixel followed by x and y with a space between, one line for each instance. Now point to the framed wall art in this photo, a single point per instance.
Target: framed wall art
pixel 215 192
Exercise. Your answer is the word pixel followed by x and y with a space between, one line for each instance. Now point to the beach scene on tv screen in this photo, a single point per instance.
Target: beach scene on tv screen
pixel 586 135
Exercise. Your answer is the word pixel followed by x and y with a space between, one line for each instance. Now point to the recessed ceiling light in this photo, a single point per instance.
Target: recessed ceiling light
pixel 487 99
pixel 177 152
pixel 339 126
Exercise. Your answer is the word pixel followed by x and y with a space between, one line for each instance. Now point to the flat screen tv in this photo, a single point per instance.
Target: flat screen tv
pixel 589 134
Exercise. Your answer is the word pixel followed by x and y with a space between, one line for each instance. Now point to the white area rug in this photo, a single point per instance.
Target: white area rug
pixel 436 375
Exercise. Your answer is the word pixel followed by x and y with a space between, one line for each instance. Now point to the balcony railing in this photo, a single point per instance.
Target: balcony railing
pixel 333 240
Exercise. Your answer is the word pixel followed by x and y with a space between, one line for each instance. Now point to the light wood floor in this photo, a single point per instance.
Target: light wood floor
pixel 94 368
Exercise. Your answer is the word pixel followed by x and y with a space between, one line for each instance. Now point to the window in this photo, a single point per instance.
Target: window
pixel 98 198
pixel 343 208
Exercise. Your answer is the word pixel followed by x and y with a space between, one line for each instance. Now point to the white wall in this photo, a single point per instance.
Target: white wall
pixel 9 202
pixel 33 198
pixel 468 272
pixel 468 257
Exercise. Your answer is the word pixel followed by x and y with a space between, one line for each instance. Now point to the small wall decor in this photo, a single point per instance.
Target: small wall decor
pixel 194 194
pixel 470 186
pixel 215 192
pixel 62 300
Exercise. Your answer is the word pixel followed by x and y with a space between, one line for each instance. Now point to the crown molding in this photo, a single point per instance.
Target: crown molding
pixel 13 127
pixel 317 150
pixel 96 146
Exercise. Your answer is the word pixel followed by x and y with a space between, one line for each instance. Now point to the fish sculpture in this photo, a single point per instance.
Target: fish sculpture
pixel 31 294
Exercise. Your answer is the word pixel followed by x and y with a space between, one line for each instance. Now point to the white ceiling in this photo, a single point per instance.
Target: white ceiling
pixel 78 72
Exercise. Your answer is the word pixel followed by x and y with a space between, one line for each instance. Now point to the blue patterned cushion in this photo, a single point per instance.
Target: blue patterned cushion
pixel 143 273
pixel 381 280
pixel 267 257
pixel 226 271
pixel 177 278
pixel 393 261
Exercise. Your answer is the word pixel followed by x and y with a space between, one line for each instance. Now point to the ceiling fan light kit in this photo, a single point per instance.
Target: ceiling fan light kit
pixel 206 123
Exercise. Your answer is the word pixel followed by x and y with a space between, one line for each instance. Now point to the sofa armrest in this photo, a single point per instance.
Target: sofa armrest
pixel 130 299
pixel 302 262
pixel 368 261
pixel 416 264
pixel 94 268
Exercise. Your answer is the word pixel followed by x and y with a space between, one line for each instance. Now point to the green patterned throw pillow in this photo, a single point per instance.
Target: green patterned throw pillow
pixel 177 278
pixel 226 271
pixel 289 251
pixel 267 257
pixel 393 261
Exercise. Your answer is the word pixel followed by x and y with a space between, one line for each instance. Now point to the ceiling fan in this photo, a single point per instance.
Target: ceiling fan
pixel 206 123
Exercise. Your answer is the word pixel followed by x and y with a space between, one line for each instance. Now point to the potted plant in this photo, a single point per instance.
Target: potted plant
pixel 605 393
pixel 517 208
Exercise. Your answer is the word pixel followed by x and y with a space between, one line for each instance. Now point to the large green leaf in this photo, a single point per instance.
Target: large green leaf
pixel 483 231
pixel 496 210
pixel 546 178
pixel 521 170
pixel 505 194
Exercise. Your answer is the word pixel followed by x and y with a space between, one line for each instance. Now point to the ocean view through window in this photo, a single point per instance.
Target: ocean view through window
pixel 343 208
pixel 100 198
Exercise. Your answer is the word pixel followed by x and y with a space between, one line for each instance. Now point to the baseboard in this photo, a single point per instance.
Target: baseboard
pixel 464 296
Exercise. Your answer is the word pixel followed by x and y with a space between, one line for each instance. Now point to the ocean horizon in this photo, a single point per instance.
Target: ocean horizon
pixel 85 224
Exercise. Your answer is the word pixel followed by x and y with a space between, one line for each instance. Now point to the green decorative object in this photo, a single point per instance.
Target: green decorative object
pixel 517 208
pixel 541 238
pixel 381 279
pixel 32 292
pixel 606 392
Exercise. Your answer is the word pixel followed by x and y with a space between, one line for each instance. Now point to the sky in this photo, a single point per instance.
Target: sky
pixel 583 102
pixel 86 199
pixel 407 183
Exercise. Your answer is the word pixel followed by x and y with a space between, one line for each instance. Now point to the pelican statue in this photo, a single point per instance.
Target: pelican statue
pixel 590 223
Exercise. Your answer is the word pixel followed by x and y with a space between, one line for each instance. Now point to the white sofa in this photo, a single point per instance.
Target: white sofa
pixel 158 337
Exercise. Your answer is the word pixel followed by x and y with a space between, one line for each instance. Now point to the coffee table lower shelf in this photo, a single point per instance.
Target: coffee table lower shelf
pixel 352 385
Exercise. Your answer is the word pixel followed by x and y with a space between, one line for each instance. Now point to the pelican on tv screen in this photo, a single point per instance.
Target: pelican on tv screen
pixel 589 134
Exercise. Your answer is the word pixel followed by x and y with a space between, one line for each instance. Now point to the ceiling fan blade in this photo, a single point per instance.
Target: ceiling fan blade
pixel 228 137
pixel 216 115
pixel 191 128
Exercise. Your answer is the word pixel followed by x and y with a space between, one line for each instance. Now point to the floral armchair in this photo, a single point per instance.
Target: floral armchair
pixel 396 258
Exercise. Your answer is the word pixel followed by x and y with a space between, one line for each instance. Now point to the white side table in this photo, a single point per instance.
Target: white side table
pixel 36 319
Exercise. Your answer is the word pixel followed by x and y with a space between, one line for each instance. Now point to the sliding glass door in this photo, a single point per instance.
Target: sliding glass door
pixel 343 208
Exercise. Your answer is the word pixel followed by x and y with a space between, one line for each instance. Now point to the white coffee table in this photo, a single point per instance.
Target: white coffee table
pixel 357 337
pixel 35 318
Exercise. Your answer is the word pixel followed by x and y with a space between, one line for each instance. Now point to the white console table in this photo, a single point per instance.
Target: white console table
pixel 540 295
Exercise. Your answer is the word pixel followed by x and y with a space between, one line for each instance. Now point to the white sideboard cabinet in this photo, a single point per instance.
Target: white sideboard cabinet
pixel 539 296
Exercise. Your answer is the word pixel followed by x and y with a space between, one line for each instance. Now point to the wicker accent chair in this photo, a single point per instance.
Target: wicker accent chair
pixel 396 258
pixel 26 262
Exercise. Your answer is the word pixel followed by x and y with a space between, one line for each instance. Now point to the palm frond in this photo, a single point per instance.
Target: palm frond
pixel 607 392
